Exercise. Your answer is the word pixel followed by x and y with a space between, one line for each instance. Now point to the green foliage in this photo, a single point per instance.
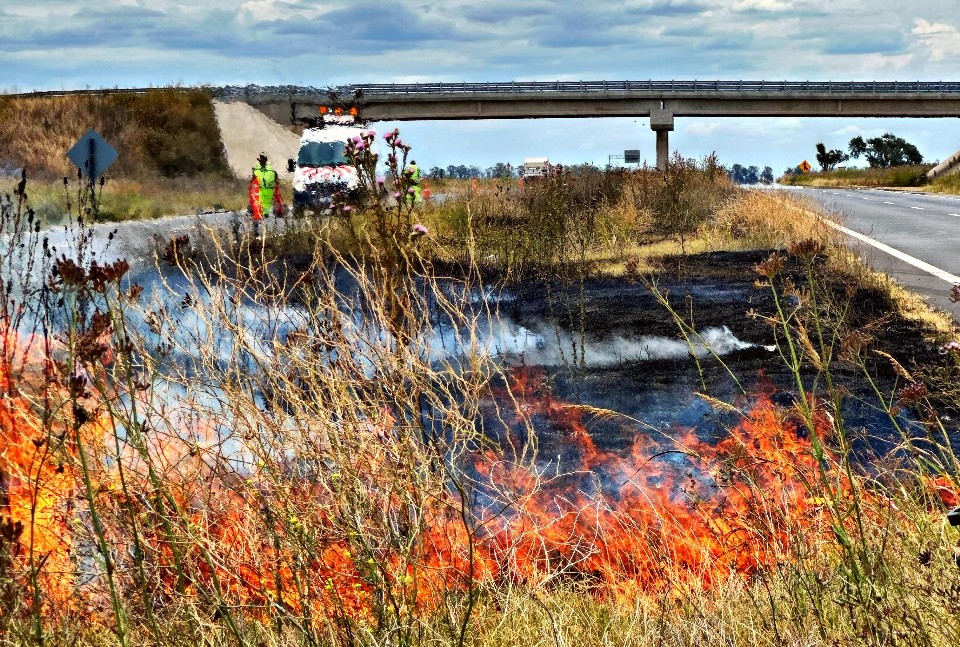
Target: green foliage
pixel 828 159
pixel 687 194
pixel 886 151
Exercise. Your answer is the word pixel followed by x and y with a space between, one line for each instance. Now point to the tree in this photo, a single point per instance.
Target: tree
pixel 745 174
pixel 767 176
pixel 500 170
pixel 828 159
pixel 885 151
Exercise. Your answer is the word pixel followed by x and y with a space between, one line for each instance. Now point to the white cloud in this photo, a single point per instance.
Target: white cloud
pixel 940 40
pixel 762 5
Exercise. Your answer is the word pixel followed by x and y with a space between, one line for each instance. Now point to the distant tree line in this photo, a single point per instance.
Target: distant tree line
pixel 500 170
pixel 880 152
pixel 750 174
pixel 464 172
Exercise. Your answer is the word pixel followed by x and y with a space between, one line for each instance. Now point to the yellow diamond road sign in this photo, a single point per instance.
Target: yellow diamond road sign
pixel 804 166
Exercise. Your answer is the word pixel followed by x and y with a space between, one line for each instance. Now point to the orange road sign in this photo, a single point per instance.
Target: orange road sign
pixel 804 166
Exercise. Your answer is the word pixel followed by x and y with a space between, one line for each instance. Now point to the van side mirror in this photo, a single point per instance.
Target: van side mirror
pixel 291 165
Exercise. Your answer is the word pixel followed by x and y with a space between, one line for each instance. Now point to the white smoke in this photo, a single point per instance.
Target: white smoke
pixel 552 347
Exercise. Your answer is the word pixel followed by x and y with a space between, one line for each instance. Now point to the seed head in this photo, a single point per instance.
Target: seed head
pixel 771 267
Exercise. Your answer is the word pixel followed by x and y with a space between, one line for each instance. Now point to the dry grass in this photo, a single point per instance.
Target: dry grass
pixel 872 177
pixel 764 220
pixel 945 184
pixel 170 160
pixel 131 199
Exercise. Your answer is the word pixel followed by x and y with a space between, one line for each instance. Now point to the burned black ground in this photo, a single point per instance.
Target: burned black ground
pixel 723 289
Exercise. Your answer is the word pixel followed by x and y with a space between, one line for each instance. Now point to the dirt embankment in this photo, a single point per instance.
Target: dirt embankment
pixel 246 132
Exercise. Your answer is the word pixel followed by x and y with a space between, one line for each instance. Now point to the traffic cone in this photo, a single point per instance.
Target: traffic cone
pixel 426 190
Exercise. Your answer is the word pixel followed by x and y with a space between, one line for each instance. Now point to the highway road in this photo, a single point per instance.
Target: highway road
pixel 920 232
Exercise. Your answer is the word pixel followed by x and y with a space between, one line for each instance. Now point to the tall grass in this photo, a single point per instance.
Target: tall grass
pixel 949 183
pixel 581 221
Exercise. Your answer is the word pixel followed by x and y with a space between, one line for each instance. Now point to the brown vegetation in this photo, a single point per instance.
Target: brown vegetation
pixel 896 176
pixel 161 133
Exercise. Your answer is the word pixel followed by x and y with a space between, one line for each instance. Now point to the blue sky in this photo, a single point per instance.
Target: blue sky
pixel 55 44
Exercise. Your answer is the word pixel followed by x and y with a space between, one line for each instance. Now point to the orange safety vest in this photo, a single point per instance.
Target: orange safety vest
pixel 253 191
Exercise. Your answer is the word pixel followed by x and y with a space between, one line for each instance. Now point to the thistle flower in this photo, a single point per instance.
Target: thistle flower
pixel 807 249
pixel 419 230
pixel 771 267
pixel 381 181
pixel 912 394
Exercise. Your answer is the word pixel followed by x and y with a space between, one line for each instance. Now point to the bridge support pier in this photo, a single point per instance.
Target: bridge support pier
pixel 661 122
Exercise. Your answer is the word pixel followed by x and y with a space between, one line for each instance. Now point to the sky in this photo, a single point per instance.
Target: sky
pixel 77 44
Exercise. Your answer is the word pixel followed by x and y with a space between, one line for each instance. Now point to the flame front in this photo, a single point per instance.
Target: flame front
pixel 666 513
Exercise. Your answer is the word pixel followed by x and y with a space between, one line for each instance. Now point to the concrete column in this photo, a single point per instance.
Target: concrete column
pixel 661 122
pixel 663 149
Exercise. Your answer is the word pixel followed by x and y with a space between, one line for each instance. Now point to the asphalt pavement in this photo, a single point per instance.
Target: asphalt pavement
pixel 913 237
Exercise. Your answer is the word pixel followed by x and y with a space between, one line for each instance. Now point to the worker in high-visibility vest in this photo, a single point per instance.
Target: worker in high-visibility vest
pixel 414 172
pixel 267 181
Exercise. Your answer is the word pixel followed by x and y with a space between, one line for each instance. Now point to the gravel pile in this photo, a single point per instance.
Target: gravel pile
pixel 256 93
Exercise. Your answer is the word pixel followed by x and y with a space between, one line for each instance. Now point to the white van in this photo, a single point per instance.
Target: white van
pixel 322 168
pixel 534 167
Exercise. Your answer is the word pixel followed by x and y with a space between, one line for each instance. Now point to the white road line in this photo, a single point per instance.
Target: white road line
pixel 955 215
pixel 889 203
pixel 952 279
pixel 917 208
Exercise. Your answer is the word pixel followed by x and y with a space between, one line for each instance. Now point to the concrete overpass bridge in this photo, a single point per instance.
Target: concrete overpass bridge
pixel 660 101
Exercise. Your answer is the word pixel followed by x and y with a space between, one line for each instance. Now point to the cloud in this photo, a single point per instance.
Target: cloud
pixel 940 40
pixel 667 8
pixel 761 5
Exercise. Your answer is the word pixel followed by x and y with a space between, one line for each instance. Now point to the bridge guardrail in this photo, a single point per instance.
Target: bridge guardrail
pixel 611 87
pixel 855 87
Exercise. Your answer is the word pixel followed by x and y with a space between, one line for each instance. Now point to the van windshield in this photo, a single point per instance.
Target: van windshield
pixel 322 154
